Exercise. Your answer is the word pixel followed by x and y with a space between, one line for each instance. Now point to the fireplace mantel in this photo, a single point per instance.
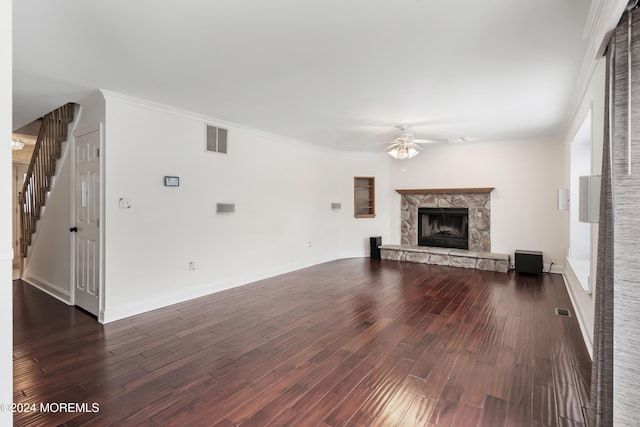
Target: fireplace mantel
pixel 483 190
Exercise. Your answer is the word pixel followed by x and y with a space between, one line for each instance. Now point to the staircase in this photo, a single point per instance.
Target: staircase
pixel 42 168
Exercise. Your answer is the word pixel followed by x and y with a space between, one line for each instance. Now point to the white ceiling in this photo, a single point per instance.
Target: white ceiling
pixel 340 73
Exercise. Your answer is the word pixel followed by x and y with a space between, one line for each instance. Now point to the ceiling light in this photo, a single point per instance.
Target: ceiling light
pixel 403 152
pixel 16 144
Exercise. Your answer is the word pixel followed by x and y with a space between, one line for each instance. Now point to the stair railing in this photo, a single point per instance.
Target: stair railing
pixel 42 168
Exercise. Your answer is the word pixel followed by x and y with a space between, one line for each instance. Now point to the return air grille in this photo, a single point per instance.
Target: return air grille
pixel 563 312
pixel 216 139
pixel 225 208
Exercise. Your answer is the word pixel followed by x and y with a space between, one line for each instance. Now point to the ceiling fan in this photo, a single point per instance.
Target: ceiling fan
pixel 405 146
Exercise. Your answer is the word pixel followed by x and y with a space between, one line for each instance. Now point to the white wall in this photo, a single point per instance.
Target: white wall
pixel 583 301
pixel 526 176
pixel 282 192
pixel 354 233
pixel 47 264
pixel 6 248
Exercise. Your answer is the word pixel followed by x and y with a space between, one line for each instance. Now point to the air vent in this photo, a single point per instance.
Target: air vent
pixel 216 139
pixel 563 312
pixel 225 208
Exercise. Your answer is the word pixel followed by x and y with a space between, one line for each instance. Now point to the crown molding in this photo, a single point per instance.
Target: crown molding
pixel 114 96
pixel 602 20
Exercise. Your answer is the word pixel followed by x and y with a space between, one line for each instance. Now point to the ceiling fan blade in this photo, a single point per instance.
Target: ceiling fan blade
pixel 430 141
pixel 414 146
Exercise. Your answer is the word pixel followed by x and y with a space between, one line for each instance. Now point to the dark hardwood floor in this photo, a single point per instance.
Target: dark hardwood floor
pixel 350 342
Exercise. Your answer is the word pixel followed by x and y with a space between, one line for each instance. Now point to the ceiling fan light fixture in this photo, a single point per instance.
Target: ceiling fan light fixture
pixel 16 144
pixel 403 152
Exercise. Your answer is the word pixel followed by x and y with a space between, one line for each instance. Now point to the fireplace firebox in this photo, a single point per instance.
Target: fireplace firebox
pixel 443 227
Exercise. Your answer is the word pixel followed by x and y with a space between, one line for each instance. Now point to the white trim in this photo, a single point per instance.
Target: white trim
pixel 135 308
pixel 593 19
pixel 556 269
pixel 585 328
pixel 102 226
pixel 48 288
pixel 75 133
pixel 602 20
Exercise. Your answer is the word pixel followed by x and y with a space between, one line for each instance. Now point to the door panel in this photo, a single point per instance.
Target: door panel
pixel 87 209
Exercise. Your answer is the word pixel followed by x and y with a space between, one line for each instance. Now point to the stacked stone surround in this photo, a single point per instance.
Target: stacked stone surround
pixel 486 261
pixel 479 255
pixel 479 205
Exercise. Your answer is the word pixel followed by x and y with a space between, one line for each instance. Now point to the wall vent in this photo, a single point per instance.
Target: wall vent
pixel 225 208
pixel 216 139
pixel 563 312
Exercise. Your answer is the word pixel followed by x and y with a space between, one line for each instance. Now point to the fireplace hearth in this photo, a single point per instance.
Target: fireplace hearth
pixel 443 227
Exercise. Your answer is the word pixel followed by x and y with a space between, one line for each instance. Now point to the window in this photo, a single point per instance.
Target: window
pixel 580 233
pixel 364 195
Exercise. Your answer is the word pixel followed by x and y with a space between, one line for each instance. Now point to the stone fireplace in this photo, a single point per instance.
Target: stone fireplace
pixel 477 202
pixel 472 204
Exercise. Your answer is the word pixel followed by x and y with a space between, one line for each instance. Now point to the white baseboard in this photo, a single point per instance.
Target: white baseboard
pixel 556 269
pixel 48 288
pixel 111 314
pixel 586 328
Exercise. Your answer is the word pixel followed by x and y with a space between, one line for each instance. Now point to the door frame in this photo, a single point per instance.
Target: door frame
pixel 16 169
pixel 101 228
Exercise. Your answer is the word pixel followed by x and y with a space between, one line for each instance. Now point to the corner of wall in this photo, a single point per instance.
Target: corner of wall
pixel 46 262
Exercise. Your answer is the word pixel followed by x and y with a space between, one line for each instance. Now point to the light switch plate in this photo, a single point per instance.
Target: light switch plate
pixel 172 181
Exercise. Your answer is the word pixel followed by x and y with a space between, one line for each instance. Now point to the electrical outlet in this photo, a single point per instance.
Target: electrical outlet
pixel 553 261
pixel 309 243
pixel 192 266
pixel 124 203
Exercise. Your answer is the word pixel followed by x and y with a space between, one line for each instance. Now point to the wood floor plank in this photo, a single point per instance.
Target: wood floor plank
pixel 544 405
pixel 418 412
pixel 494 412
pixel 350 342
pixel 467 416
pixel 520 397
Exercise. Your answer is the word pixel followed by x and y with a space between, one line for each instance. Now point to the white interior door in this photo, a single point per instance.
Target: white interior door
pixel 86 229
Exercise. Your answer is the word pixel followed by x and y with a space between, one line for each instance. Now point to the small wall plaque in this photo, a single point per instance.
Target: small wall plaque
pixel 171 181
